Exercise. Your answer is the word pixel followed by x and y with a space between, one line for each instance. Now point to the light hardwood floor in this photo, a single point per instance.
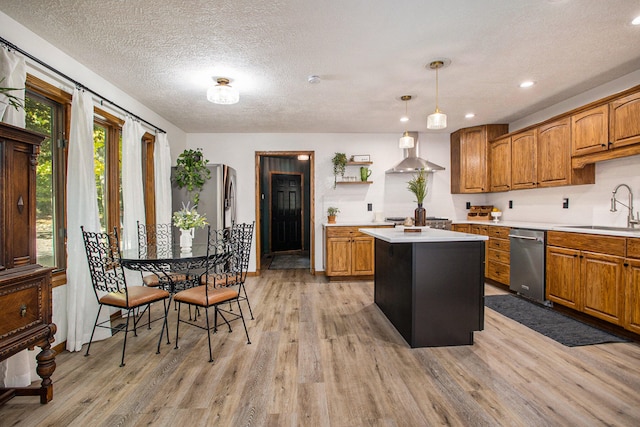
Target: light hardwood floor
pixel 322 354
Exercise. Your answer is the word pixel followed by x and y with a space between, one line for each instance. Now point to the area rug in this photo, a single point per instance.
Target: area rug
pixel 289 262
pixel 548 322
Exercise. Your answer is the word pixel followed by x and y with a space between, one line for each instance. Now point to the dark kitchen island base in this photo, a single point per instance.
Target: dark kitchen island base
pixel 432 292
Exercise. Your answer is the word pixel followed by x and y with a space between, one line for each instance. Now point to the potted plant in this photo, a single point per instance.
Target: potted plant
pixel 418 186
pixel 11 99
pixel 191 172
pixel 331 214
pixel 339 166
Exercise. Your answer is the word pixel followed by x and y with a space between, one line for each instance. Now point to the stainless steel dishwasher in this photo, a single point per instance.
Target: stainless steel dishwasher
pixel 527 276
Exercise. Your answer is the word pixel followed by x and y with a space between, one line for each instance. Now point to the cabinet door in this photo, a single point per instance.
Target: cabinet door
pixel 632 295
pixel 500 164
pixel 554 153
pixel 338 256
pixel 624 122
pixel 462 228
pixel 362 255
pixel 590 131
pixel 602 286
pixel 524 155
pixel 563 276
pixel 473 160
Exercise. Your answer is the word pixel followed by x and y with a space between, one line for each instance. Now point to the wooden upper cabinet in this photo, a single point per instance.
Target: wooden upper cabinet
pixel 500 164
pixel 554 157
pixel 524 155
pixel 469 158
pixel 624 120
pixel 590 131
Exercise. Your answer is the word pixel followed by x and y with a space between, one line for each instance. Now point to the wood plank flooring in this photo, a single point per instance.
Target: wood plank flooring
pixel 323 354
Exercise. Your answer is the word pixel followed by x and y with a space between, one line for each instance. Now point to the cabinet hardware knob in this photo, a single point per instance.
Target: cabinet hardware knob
pixel 23 310
pixel 626 264
pixel 604 145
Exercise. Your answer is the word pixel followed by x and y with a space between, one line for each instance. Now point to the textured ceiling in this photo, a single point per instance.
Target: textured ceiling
pixel 367 52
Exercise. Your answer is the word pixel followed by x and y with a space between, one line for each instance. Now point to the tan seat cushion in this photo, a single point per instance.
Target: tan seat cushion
pixel 198 296
pixel 153 279
pixel 138 295
pixel 219 280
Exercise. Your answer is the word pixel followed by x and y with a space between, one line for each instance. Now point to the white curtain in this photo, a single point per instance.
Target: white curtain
pixel 162 178
pixel 82 210
pixel 18 370
pixel 13 69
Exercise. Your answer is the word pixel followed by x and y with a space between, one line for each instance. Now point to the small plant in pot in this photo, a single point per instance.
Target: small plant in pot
pixel 339 166
pixel 331 214
pixel 418 186
pixel 191 172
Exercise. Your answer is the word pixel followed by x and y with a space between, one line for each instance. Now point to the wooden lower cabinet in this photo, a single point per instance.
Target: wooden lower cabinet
pixel 632 286
pixel 590 281
pixel 349 253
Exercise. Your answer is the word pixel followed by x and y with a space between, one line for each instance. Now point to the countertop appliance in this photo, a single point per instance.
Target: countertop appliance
pixel 217 199
pixel 433 222
pixel 527 277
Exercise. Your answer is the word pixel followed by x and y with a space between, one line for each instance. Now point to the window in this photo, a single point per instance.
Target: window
pixel 107 146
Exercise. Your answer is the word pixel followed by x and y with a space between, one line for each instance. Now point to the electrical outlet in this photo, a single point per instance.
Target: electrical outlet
pixel 468 205
pixel 510 204
pixel 369 207
pixel 565 203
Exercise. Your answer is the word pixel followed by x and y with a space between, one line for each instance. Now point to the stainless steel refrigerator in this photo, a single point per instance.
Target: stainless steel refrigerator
pixel 217 199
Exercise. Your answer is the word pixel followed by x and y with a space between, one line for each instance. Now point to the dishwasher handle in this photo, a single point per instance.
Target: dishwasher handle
pixel 537 239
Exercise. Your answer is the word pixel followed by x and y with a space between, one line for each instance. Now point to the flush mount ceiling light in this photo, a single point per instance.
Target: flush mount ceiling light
pixel 405 141
pixel 223 93
pixel 313 79
pixel 437 120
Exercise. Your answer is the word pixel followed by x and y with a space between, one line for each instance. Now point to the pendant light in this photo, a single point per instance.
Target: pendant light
pixel 437 120
pixel 405 141
pixel 223 93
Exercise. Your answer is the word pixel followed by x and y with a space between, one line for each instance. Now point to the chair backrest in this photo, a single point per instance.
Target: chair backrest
pixel 242 235
pixel 103 255
pixel 155 240
pixel 220 250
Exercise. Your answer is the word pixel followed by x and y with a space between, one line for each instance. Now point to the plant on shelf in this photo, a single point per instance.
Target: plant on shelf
pixel 418 186
pixel 188 218
pixel 339 166
pixel 191 172
pixel 331 214
pixel 11 100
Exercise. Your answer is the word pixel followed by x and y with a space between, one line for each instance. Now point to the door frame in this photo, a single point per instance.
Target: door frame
pixel 302 225
pixel 312 192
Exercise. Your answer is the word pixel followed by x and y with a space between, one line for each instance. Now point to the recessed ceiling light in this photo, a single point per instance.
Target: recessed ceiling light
pixel 313 79
pixel 527 83
pixel 636 21
pixel 469 116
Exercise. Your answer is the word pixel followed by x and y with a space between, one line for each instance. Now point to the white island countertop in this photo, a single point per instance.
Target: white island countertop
pixel 426 235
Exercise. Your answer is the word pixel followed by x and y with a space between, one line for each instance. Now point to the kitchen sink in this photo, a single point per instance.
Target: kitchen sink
pixel 604 228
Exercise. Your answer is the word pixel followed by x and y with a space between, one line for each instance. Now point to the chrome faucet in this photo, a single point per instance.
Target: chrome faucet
pixel 631 221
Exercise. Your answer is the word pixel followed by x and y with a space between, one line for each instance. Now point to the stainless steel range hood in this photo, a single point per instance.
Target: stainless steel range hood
pixel 411 162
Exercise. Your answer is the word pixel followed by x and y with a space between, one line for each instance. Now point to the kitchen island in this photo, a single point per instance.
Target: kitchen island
pixel 430 284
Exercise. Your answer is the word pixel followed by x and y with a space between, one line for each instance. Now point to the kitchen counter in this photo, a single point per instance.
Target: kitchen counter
pixel 557 227
pixel 427 235
pixel 357 223
pixel 430 284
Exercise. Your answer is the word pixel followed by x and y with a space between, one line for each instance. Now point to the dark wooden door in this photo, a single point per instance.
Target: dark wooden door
pixel 286 212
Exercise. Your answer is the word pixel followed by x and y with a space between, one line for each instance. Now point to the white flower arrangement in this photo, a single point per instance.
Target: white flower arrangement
pixel 187 218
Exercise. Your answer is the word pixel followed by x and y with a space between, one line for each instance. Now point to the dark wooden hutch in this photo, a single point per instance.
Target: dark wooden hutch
pixel 25 287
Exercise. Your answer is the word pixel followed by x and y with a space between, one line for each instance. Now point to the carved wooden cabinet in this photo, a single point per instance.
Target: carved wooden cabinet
pixel 25 287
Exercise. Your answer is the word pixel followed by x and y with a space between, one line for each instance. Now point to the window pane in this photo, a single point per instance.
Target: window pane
pixel 40 118
pixel 99 155
pixel 120 180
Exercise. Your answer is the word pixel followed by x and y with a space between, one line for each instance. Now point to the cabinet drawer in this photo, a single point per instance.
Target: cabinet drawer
pixel 500 244
pixel 611 245
pixel 498 272
pixel 22 307
pixel 499 256
pixel 633 248
pixel 499 232
pixel 340 231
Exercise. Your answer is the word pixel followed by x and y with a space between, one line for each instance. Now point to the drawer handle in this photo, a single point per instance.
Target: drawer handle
pixel 23 310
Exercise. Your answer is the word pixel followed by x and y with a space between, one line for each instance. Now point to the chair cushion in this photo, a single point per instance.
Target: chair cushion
pixel 199 294
pixel 153 279
pixel 219 280
pixel 138 295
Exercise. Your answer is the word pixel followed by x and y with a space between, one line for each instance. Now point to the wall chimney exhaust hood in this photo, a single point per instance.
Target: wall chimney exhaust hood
pixel 411 162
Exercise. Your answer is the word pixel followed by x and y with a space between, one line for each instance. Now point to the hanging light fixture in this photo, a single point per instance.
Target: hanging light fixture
pixel 405 141
pixel 223 93
pixel 437 120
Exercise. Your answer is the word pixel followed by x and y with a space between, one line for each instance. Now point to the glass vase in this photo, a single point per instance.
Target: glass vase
pixel 420 216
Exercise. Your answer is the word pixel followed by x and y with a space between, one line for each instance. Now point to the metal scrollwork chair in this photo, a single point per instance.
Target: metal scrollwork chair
pixel 156 240
pixel 110 286
pixel 236 271
pixel 221 246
